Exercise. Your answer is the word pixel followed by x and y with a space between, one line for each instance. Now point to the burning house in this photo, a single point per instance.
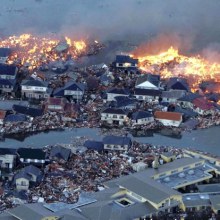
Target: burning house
pixel 4 54
pixel 125 62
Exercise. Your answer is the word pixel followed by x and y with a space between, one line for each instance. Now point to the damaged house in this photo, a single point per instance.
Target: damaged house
pixel 114 116
pixel 36 89
pixel 4 54
pixel 125 62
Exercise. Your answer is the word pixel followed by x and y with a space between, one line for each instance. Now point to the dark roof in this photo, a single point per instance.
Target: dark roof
pixel 72 85
pixel 115 111
pixel 141 114
pixel 5 52
pixel 117 140
pixel 15 118
pixel 33 112
pixel 56 101
pixel 189 97
pixel 7 69
pixel 59 92
pixel 60 152
pixel 154 79
pixel 123 101
pixel 7 82
pixel 4 151
pixel 118 91
pixel 32 170
pixel 178 84
pixel 22 174
pixel 125 59
pixel 94 145
pixel 32 82
pixel 31 153
pixel 147 92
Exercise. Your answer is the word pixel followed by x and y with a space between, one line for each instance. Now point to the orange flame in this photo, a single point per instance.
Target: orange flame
pixel 170 63
pixel 34 51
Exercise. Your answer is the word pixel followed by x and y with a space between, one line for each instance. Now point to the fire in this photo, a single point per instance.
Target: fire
pixel 170 63
pixel 33 51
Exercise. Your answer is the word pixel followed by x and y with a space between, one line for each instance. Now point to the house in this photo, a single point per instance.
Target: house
pixel 124 102
pixel 94 145
pixel 106 79
pixel 175 83
pixel 32 156
pixel 203 107
pixel 26 110
pixel 2 116
pixel 114 116
pixel 117 143
pixel 14 118
pixel 72 90
pixel 56 104
pixel 4 54
pixel 7 86
pixel 114 92
pixel 168 118
pixel 8 71
pixel 59 152
pixel 141 118
pixel 125 62
pixel 148 81
pixel 36 89
pixel 7 158
pixel 187 100
pixel 147 95
pixel 27 176
pixel 171 96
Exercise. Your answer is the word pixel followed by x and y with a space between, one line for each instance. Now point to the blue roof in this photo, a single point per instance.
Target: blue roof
pixel 117 140
pixel 5 52
pixel 123 101
pixel 7 82
pixel 94 145
pixel 34 112
pixel 189 98
pixel 178 83
pixel 125 59
pixel 141 114
pixel 15 118
pixel 7 69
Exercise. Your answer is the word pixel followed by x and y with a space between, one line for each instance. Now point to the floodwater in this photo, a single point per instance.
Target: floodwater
pixel 207 140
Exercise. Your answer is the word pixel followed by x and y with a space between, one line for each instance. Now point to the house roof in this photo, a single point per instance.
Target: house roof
pixel 118 140
pixel 118 91
pixel 7 69
pixel 123 101
pixel 174 116
pixel 125 59
pixel 203 103
pixel 115 111
pixel 215 201
pixel 2 114
pixel 31 153
pixel 189 97
pixel 5 52
pixel 176 83
pixel 33 112
pixel 209 188
pixel 147 92
pixel 15 118
pixel 7 82
pixel 94 145
pixel 141 114
pixel 32 170
pixel 60 152
pixel 72 85
pixel 11 151
pixel 21 174
pixel 33 82
pixel 154 79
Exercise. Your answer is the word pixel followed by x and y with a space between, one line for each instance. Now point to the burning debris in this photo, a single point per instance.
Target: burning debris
pixel 33 51
pixel 170 63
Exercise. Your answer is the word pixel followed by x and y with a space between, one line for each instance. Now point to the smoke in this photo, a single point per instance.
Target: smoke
pixel 191 25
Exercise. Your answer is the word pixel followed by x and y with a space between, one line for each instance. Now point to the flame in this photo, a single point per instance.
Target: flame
pixel 170 63
pixel 33 51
